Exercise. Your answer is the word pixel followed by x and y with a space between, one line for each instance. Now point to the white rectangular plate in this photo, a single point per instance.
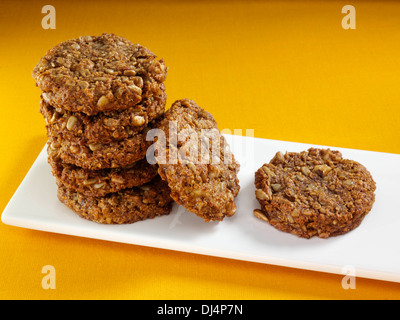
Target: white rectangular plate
pixel 371 250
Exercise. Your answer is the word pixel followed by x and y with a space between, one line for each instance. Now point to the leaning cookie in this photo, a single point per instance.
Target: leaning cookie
pixel 314 193
pixel 98 183
pixel 126 206
pixel 195 160
pixel 107 126
pixel 96 156
pixel 94 74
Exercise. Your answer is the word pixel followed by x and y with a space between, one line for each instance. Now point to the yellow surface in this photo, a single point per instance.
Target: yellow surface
pixel 286 69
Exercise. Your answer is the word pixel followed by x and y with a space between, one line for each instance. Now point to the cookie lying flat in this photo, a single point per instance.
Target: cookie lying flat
pixel 105 127
pixel 196 162
pixel 94 74
pixel 96 156
pixel 314 193
pixel 98 183
pixel 126 206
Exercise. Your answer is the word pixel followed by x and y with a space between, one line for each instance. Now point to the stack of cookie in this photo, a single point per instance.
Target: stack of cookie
pixel 100 96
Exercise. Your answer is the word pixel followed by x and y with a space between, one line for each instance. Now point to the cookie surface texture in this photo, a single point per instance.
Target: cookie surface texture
pixel 314 193
pixel 98 183
pixel 195 160
pixel 105 127
pixel 94 74
pixel 126 206
pixel 96 156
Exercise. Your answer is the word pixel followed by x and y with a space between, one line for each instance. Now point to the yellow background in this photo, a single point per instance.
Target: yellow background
pixel 286 69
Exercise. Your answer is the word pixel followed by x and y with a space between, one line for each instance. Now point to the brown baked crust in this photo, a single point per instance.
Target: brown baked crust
pixel 107 126
pixel 314 193
pixel 98 183
pixel 94 74
pixel 126 206
pixel 206 188
pixel 100 156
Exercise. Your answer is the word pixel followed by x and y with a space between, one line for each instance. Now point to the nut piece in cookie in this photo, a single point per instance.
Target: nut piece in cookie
pixel 194 158
pixel 125 206
pixel 314 193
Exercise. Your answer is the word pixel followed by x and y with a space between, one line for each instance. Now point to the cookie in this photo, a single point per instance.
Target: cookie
pixel 96 156
pixel 98 183
pixel 95 74
pixel 314 193
pixel 125 206
pixel 104 127
pixel 195 160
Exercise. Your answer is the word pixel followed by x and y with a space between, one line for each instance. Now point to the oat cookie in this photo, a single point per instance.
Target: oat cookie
pixel 98 183
pixel 104 127
pixel 203 175
pixel 96 156
pixel 314 193
pixel 126 206
pixel 94 74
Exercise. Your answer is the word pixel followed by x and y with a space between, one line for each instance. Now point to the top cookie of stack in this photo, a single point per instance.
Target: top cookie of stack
pixel 97 74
